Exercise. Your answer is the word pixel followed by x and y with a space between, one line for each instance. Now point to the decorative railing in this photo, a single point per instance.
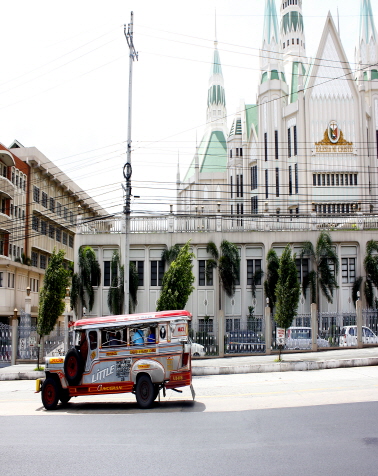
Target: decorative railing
pixel 5 342
pixel 227 223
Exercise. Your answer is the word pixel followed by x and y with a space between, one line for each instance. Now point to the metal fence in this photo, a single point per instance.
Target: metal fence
pixel 247 341
pixel 5 342
pixel 330 326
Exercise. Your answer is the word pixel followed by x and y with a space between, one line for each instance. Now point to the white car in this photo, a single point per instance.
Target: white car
pixel 300 338
pixel 197 350
pixel 348 336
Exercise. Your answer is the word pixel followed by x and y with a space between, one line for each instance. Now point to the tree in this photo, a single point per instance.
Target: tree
pixel 273 264
pixel 371 270
pixel 178 282
pixel 287 291
pixel 116 295
pixel 170 254
pixel 89 275
pixel 227 262
pixel 326 267
pixel 51 296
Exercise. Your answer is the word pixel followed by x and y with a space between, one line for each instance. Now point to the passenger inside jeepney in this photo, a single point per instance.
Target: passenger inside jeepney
pixel 83 346
pixel 151 336
pixel 138 338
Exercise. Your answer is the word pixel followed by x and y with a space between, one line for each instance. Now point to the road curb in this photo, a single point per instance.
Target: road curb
pixel 21 376
pixel 284 366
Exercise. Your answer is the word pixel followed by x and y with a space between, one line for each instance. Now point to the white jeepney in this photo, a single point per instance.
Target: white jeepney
pixel 138 353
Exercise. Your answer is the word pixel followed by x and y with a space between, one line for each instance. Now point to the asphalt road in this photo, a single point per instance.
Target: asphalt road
pixel 292 423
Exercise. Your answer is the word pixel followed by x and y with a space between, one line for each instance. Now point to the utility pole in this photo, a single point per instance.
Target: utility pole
pixel 127 170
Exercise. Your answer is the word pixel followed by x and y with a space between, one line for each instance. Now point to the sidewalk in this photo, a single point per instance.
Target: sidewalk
pixel 330 359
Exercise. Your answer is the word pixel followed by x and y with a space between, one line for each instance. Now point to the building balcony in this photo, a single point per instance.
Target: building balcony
pixel 228 223
pixel 6 188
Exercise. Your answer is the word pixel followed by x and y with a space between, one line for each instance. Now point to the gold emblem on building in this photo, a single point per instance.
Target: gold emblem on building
pixel 333 141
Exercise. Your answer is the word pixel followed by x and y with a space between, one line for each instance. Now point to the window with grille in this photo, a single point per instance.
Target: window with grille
pixel 52 205
pixel 51 231
pixel 43 227
pixel 266 146
pixel 36 192
pixel 276 144
pixel 289 142
pixel 296 178
pixel 139 265
pixel 204 280
pixel 157 273
pixel 266 184
pixel 59 209
pixel 64 237
pixel 277 182
pixel 295 141
pixel 65 213
pixel 254 177
pixel 58 235
pixel 44 199
pixel 302 268
pixel 70 241
pixel 206 325
pixel 253 265
pixel 35 223
pixel 348 270
pixel 254 205
pixel 42 261
pixel 34 258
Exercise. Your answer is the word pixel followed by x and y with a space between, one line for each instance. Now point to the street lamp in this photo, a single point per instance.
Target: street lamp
pixel 28 291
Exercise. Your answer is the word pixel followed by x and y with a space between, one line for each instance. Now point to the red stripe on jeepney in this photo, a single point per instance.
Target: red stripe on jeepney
pixel 101 388
pixel 180 379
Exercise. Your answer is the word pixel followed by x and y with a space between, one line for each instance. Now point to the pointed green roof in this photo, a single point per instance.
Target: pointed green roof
pixel 212 154
pixel 216 67
pixel 252 117
pixel 367 26
pixel 270 22
pixel 213 151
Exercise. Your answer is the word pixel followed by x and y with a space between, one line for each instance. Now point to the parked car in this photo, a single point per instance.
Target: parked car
pixel 197 350
pixel 301 338
pixel 348 336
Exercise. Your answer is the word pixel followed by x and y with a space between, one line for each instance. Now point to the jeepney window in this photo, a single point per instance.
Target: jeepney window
pixel 113 337
pixel 93 340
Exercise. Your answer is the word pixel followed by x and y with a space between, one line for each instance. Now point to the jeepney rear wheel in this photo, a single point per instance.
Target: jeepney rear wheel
pixel 64 396
pixel 145 392
pixel 73 367
pixel 50 393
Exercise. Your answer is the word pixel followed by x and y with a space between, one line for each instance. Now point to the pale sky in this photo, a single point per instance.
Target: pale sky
pixel 64 82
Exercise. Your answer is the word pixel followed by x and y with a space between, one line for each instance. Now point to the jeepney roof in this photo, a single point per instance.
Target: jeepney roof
pixel 130 319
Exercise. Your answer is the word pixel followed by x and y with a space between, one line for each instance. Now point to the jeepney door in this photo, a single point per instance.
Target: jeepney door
pixel 92 349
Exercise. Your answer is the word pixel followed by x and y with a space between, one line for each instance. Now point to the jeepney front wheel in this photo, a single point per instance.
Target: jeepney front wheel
pixel 145 392
pixel 50 393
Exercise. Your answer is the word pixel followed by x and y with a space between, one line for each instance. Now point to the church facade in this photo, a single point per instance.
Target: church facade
pixel 302 159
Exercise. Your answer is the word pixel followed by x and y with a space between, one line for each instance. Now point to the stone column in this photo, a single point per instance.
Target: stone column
pixel 359 323
pixel 314 327
pixel 268 329
pixel 221 333
pixel 14 337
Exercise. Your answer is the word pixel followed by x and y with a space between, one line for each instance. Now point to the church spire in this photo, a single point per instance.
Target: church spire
pixel 367 49
pixel 216 98
pixel 270 54
pixel 368 31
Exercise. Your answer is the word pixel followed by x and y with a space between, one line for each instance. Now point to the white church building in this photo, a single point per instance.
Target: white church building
pixel 302 159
